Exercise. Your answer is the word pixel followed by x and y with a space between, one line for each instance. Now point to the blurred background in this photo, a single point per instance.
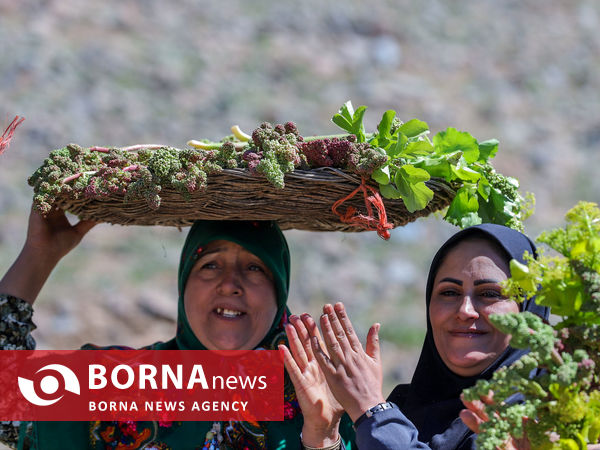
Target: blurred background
pixel 118 73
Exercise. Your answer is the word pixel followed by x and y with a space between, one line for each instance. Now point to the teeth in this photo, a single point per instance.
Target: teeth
pixel 228 312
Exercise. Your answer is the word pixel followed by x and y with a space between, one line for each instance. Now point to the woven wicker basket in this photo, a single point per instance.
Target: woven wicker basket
pixel 234 194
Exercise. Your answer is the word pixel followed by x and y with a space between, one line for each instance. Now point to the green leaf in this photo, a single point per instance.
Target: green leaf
pixel 417 148
pixel 565 298
pixel 347 110
pixel 351 121
pixel 452 141
pixel 483 188
pixel 342 122
pixel 488 149
pixel 496 209
pixel 389 191
pixel 439 168
pixel 398 147
pixel 464 173
pixel 521 275
pixel 384 135
pixel 382 175
pixel 410 182
pixel 414 128
pixel 344 116
pixel 463 209
pixel 358 128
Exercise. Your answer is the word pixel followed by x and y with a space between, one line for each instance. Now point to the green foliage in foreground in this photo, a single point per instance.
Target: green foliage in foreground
pixel 562 405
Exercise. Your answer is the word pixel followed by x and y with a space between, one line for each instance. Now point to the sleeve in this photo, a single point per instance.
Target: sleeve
pixel 15 334
pixel 388 430
pixel 16 324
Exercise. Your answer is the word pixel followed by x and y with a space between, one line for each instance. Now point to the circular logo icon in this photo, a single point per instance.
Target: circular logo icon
pixel 49 385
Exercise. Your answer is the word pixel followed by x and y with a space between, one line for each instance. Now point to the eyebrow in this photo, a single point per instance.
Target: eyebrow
pixel 485 281
pixel 452 280
pixel 476 282
pixel 210 252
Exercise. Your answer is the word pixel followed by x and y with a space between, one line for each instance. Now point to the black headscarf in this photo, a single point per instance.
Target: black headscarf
pixel 431 401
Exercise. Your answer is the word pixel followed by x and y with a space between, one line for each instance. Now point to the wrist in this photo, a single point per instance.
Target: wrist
pixel 364 406
pixel 319 436
pixel 380 407
pixel 333 445
pixel 43 255
pixel 26 277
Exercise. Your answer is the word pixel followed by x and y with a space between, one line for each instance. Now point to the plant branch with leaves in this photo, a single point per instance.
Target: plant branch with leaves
pixel 562 405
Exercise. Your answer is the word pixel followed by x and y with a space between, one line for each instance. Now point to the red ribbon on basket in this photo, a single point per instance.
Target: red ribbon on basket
pixel 369 221
pixel 8 133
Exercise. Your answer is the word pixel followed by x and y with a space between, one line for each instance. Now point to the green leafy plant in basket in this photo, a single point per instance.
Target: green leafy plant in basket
pixel 396 161
pixel 483 195
pixel 560 408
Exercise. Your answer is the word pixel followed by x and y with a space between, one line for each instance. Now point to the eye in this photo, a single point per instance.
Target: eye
pixel 256 268
pixel 492 293
pixel 206 264
pixel 448 292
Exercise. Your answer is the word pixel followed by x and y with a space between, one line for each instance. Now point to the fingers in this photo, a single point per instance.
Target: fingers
pixel 477 407
pixel 316 344
pixel 333 335
pixel 311 329
pixel 346 324
pixel 489 398
pixel 296 347
pixel 292 368
pixel 471 420
pixel 83 226
pixel 303 335
pixel 372 347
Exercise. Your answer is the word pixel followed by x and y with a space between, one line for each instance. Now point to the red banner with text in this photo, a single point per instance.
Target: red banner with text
pixel 141 385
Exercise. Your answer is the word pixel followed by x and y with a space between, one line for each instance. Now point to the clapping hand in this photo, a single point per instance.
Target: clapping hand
pixel 322 412
pixel 354 374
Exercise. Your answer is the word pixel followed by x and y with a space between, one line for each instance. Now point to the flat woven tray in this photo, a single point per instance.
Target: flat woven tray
pixel 235 194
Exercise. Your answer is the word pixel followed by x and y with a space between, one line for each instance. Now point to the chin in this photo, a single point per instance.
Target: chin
pixel 469 365
pixel 234 344
pixel 229 346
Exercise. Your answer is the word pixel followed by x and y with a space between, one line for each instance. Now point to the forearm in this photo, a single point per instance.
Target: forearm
pixel 27 275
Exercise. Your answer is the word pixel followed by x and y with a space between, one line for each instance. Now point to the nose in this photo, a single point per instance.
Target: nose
pixel 466 309
pixel 229 284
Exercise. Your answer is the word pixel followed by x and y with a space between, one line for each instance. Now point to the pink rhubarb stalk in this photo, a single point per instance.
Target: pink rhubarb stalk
pixel 8 133
pixel 131 148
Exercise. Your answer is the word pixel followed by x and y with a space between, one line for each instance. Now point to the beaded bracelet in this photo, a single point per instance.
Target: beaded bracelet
pixel 335 446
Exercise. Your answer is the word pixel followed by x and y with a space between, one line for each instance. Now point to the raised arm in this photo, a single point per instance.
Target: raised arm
pixel 354 375
pixel 355 378
pixel 48 240
pixel 321 411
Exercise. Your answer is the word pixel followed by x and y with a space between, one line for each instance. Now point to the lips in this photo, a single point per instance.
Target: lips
pixel 467 333
pixel 228 313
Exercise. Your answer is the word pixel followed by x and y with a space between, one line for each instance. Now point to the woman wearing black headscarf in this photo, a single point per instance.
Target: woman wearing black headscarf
pixel 461 346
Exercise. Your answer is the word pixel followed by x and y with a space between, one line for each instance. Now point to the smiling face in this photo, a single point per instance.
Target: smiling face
pixel 229 297
pixel 466 291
